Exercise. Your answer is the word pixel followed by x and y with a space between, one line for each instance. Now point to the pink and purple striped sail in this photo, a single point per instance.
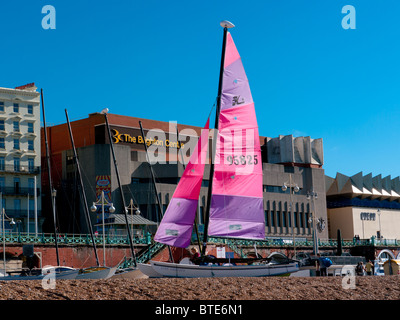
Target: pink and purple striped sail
pixel 237 198
pixel 177 224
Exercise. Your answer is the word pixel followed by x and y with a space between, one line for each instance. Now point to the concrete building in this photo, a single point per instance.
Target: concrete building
pixel 20 160
pixel 364 206
pixel 285 159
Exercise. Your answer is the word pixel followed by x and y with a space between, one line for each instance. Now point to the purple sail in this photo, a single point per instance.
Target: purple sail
pixel 177 224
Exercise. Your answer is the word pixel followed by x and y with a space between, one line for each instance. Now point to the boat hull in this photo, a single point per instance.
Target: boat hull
pixel 96 273
pixel 149 271
pixel 174 270
pixel 68 274
pixel 129 274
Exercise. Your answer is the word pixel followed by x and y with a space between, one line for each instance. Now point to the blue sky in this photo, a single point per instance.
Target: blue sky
pixel 160 60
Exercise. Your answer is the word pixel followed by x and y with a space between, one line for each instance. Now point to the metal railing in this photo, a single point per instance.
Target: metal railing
pixel 237 243
pixel 19 191
pixel 9 168
pixel 70 239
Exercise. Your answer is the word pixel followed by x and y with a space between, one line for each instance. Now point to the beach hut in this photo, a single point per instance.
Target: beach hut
pixel 391 267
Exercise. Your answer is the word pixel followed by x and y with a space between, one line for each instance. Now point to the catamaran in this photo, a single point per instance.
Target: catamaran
pixel 235 195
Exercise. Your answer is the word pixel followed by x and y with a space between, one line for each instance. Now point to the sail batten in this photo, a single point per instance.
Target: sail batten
pixel 237 200
pixel 177 224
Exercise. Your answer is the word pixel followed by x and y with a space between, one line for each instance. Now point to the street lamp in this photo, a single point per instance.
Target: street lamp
pixel 103 201
pixel 292 188
pixel 132 208
pixel 12 222
pixel 312 195
pixel 380 231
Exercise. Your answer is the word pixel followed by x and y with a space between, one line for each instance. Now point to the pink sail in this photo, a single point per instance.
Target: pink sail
pixel 177 224
pixel 237 195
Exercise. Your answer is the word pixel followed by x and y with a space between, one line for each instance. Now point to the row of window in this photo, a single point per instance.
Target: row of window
pixel 17 204
pixel 16 107
pixel 16 144
pixel 17 183
pixel 284 219
pixel 17 164
pixel 16 126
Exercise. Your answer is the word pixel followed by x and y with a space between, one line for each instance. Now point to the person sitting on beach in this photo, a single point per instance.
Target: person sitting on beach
pixel 195 254
pixel 360 269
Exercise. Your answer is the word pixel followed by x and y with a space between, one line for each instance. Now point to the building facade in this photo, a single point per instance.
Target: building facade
pixel 20 161
pixel 285 159
pixel 364 206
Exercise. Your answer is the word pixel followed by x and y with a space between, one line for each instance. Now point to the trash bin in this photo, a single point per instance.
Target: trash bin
pixel 391 267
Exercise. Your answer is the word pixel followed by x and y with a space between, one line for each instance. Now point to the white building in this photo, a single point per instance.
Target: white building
pixel 20 156
pixel 364 206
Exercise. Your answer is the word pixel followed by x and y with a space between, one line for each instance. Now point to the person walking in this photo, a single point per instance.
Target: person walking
pixel 369 267
pixel 322 266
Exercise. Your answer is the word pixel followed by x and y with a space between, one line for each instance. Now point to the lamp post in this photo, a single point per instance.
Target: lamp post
pixel 292 188
pixel 312 195
pixel 132 208
pixel 103 201
pixel 12 222
pixel 380 231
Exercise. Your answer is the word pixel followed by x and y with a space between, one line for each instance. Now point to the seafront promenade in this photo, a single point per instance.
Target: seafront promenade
pixel 78 250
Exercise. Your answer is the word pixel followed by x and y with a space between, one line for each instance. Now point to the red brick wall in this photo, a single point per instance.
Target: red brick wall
pixel 77 257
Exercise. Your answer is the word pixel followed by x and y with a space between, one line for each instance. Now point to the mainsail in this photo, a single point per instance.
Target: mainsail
pixel 177 224
pixel 237 195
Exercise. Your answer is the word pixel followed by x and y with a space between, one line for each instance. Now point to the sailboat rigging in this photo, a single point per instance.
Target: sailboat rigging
pixel 235 195
pixel 50 179
pixel 85 205
pixel 120 190
pixel 160 212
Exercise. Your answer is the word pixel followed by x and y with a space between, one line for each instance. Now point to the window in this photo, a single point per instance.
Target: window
pixel 2 163
pixel 30 109
pixel 31 186
pixel 16 144
pixel 2 143
pixel 31 165
pixel 17 162
pixel 2 106
pixel 16 126
pixel 16 107
pixel 301 220
pixel 30 127
pixel 272 219
pixel 17 206
pixel 30 145
pixel 284 219
pixel 17 185
pixel 2 183
pixel 2 125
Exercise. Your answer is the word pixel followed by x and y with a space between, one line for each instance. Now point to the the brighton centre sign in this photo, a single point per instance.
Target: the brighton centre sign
pixel 119 137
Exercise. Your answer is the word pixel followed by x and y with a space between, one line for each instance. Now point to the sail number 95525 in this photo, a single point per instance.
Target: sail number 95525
pixel 242 160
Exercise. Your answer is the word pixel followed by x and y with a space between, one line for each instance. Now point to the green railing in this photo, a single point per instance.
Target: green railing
pixel 71 239
pixel 152 248
pixel 235 244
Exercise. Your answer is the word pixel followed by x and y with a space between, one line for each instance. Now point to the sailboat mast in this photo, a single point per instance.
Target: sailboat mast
pixel 221 76
pixel 154 184
pixel 50 179
pixel 85 205
pixel 120 189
